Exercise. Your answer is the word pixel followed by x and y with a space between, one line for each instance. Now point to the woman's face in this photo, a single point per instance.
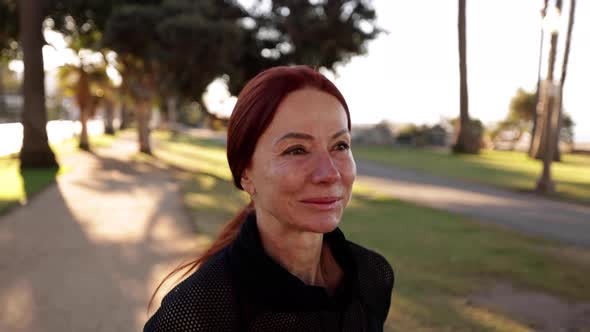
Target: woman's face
pixel 302 169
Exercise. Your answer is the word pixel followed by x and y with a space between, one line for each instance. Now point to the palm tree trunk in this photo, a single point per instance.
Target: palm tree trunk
pixel 143 130
pixel 539 140
pixel 2 103
pixel 172 105
pixel 534 131
pixel 35 151
pixel 83 97
pixel 546 115
pixel 124 123
pixel 109 127
pixel 464 140
pixel 566 54
pixel 163 121
pixel 84 143
pixel 549 103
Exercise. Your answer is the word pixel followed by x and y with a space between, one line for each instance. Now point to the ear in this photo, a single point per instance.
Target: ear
pixel 246 182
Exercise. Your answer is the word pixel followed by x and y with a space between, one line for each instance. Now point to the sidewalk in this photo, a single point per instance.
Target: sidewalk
pixel 87 253
pixel 528 213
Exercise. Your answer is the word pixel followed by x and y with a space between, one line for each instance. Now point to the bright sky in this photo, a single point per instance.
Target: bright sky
pixel 412 73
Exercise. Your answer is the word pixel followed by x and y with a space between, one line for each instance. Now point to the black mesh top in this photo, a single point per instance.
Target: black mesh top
pixel 241 288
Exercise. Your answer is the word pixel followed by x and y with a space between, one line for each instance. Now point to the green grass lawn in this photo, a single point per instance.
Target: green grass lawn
pixel 439 258
pixel 15 187
pixel 506 169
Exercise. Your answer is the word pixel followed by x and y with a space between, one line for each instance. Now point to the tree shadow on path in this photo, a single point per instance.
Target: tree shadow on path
pixel 86 254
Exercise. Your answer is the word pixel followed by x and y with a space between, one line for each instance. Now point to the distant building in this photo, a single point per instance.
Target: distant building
pixel 582 148
pixel 385 133
pixel 437 136
pixel 380 134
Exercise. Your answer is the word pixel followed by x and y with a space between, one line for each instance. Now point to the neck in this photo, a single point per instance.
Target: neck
pixel 303 254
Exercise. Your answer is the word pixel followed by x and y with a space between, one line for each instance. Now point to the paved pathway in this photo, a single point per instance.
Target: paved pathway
pixel 86 254
pixel 531 214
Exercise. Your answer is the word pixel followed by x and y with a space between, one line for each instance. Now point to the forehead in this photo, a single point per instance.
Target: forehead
pixel 309 110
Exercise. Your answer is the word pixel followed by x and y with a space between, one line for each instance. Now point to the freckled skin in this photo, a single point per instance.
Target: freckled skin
pixel 286 173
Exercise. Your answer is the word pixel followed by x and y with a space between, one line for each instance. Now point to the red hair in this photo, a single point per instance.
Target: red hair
pixel 256 106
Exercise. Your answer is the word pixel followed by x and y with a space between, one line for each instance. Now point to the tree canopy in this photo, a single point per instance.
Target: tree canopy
pixel 193 42
pixel 8 29
pixel 521 114
pixel 176 48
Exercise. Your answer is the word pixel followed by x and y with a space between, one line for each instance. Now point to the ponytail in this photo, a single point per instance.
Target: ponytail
pixel 228 234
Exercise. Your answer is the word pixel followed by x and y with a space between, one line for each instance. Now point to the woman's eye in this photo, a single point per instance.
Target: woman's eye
pixel 342 146
pixel 295 151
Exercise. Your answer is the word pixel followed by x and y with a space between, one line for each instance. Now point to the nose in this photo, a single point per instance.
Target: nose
pixel 324 171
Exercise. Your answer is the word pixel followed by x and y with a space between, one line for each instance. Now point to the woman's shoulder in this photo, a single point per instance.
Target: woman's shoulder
pixel 376 278
pixel 205 301
pixel 371 263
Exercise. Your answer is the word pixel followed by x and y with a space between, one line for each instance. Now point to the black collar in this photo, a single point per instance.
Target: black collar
pixel 264 281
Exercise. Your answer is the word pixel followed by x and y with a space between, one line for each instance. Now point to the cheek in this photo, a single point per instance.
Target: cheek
pixel 291 176
pixel 347 170
pixel 285 176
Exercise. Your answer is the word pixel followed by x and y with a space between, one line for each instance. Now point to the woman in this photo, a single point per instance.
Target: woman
pixel 282 264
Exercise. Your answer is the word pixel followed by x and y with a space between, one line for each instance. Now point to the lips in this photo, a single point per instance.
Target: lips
pixel 322 203
pixel 321 200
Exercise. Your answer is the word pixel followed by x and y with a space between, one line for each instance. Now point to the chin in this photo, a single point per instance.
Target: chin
pixel 319 222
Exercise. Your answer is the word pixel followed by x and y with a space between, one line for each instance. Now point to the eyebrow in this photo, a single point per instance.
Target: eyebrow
pixel 307 136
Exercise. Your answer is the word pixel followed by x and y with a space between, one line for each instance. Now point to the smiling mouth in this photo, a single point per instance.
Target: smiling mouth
pixel 322 203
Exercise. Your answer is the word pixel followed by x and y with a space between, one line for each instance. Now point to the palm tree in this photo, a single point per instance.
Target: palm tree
pixel 75 82
pixel 552 117
pixel 539 142
pixel 88 84
pixel 144 95
pixel 139 86
pixel 566 54
pixel 547 121
pixel 108 93
pixel 35 151
pixel 535 132
pixel 465 141
pixel 2 103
